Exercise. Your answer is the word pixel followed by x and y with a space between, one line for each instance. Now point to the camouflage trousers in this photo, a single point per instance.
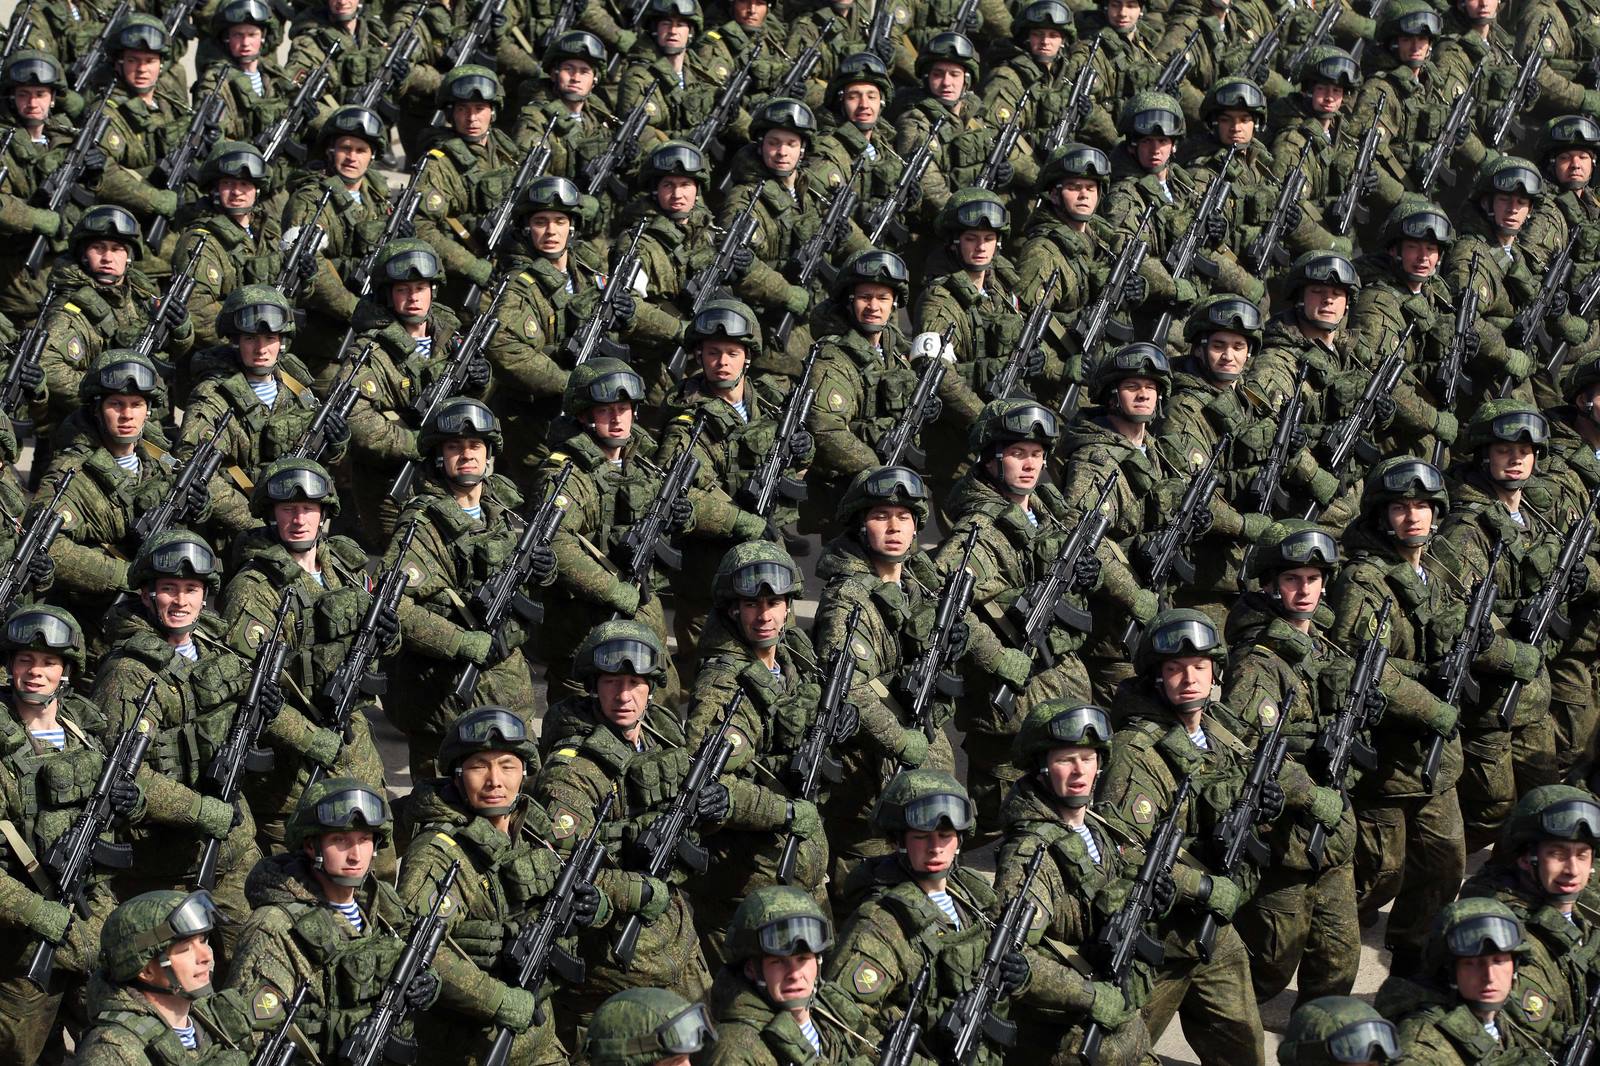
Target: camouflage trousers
pixel 1409 850
pixel 1575 707
pixel 1500 765
pixel 1306 922
pixel 1214 1003
pixel 990 771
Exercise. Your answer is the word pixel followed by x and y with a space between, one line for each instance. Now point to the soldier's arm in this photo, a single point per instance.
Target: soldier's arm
pixel 375 437
pixel 81 565
pixel 517 359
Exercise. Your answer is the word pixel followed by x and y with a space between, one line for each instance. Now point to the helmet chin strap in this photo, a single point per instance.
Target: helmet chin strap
pixel 343 880
pixel 39 699
pixel 174 987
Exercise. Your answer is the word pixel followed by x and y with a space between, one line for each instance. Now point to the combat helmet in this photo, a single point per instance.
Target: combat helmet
pixel 641 1026
pixel 1052 724
pixel 1402 477
pixel 336 805
pixel 621 647
pixel 1336 1031
pixel 142 930
pixel 923 800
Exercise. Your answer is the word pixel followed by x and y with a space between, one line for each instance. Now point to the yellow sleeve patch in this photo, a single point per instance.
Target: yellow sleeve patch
pixel 436 153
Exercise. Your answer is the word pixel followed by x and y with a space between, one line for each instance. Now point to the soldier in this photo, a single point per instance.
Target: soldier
pixel 575 63
pixel 763 997
pixel 363 41
pixel 1338 1029
pixel 752 643
pixel 1059 753
pixel 648 1027
pixel 255 91
pixel 1128 62
pixel 1570 147
pixel 723 49
pixel 1474 36
pixel 1043 31
pixel 243 238
pixel 917 904
pixel 1465 1007
pixel 322 919
pixel 33 84
pixel 476 813
pixel 686 92
pixel 147 119
pixel 1172 728
pixel 616 739
pixel 467 524
pixel 852 125
pixel 156 1003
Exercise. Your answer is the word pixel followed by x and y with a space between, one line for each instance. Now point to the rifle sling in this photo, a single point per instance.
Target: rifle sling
pixel 30 861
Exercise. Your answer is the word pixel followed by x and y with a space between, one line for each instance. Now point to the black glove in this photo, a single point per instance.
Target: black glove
pixel 1085 573
pixel 741 261
pixel 1384 409
pixel 1004 175
pixel 679 515
pixel 1292 217
pixel 932 410
pixel 307 269
pixel 271 702
pixel 1014 972
pixel 174 315
pixel 1461 133
pixel 386 626
pixel 94 165
pixel 1470 343
pixel 1374 705
pixel 913 200
pixel 846 724
pixel 800 443
pixel 1216 230
pixel 1369 181
pixel 1559 302
pixel 960 635
pixel 1135 289
pixel 401 69
pixel 335 430
pixel 884 50
pixel 1577 582
pixel 405 229
pixel 1271 802
pixel 625 307
pixel 422 991
pixel 713 805
pixel 1486 635
pixel 1035 363
pixel 41 571
pixel 585 904
pixel 124 798
pixel 1199 524
pixel 542 565
pixel 31 376
pixel 477 376
pixel 199 500
pixel 1163 893
pixel 1297 439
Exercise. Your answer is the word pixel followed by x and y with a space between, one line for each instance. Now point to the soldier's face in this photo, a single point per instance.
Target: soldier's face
pixel 236 194
pixel 1325 304
pixel 1411 519
pixel 345 852
pixel 550 232
pixel 1138 396
pixel 1510 460
pixel 411 298
pixel 37 671
pixel 1071 771
pixel 350 156
pixel 672 35
pixel 139 69
pixel 1227 352
pixel 790 977
pixel 873 304
pixel 861 104
pixel 932 852
pixel 761 618
pixel 1301 589
pixel 1326 97
pixel 612 423
pixel 1480 11
pixel 1419 258
pixel 1573 168
pixel 947 81
pixel 723 362
pixel 1486 978
pixel 1510 211
pixel 623 699
pixel 1021 466
pixel 1235 126
pixel 258 352
pixel 191 959
pixel 677 195
pixel 176 601
pixel 1561 867
pixel 124 416
pixel 343 10
pixel 782 151
pixel 471 118
pixel 1154 152
pixel 491 778
pixel 574 79
pixel 1045 43
pixel 299 521
pixel 977 247
pixel 244 42
pixel 891 530
pixel 464 457
pixel 32 102
pixel 1123 15
pixel 1187 679
pixel 750 13
pixel 106 260
pixel 1413 49
pixel 1079 197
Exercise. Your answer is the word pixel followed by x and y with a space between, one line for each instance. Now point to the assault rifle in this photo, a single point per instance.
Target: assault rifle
pixel 153 338
pixel 590 337
pixel 369 1043
pixel 278 139
pixel 86 68
pixel 793 84
pixel 1343 438
pixel 1184 256
pixel 278 1048
pixel 1267 249
pixel 400 218
pixel 19 31
pixel 708 283
pixel 1319 34
pixel 37 535
pixel 358 674
pixel 1264 494
pixel 972 1015
pixel 1177 67
pixel 1444 142
pixel 884 216
pixel 174 20
pixel 498 223
pixel 966 18
pixel 601 171
pixel 1258 64
pixel 1339 743
pixel 1004 142
pixel 341 398
pixel 172 173
pixel 241 751
pixel 812 257
pixel 1009 381
pixel 1504 119
pixel 930 672
pixel 1584 298
pixel 1375 13
pixel 1235 837
pixel 75 853
pixel 1528 324
pixel 1456 670
pixel 1348 209
pixel 1078 102
pixel 897 442
pixel 1045 602
pixel 28 351
pixel 199 470
pixel 1123 939
pixel 665 840
pixel 307 244
pixel 704 136
pixel 468 48
pixel 501 595
pixel 1541 616
pixel 1452 368
pixel 1094 322
pixel 812 764
pixel 900 1042
pixel 646 541
pixel 566 15
pixel 1165 549
pixel 60 182
pixel 762 490
pixel 537 949
pixel 1581 1045
pixel 387 79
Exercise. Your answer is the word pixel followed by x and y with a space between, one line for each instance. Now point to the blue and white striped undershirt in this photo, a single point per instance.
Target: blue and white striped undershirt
pixel 129 462
pixel 1199 738
pixel 942 900
pixel 424 346
pixel 266 391
pixel 1088 842
pixel 186 1036
pixel 808 1028
pixel 188 651
pixel 474 512
pixel 256 84
pixel 56 738
pixel 352 914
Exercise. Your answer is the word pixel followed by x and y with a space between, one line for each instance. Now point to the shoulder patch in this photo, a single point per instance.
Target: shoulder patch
pixel 213 275
pixel 436 153
pixel 866 978
pixel 836 401
pixel 266 1004
pixel 255 634
pixel 530 327
pixel 435 200
pixel 1144 809
pixel 736 739
pixel 563 823
pixel 449 841
pixel 1534 1004
pixel 1267 712
pixel 369 387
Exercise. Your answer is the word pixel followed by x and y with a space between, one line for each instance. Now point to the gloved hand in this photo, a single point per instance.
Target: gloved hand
pixel 1110 1008
pixel 1271 802
pixel 1523 661
pixel 1519 365
pixel 46 918
pixel 1134 290
pixel 932 410
pixel 1369 182
pixel 94 165
pixel 654 898
pixel 713 806
pixel 542 565
pixel 516 1009
pixel 1326 806
pixel 473 646
pixel 1445 427
pixel 1145 605
pixel 1086 573
pixel 213 817
pixel 1220 896
pixel 585 905
pixel 1216 230
pixel 307 269
pixel 1577 582
pixel 1292 217
pixel 174 315
pixel 1255 527
pixel 1014 668
pixel 401 69
pixel 884 50
pixel 741 261
pixel 801 443
pixel 747 525
pixel 271 701
pixel 1183 292
pixel 1383 410
pixel 31 375
pixel 386 626
pixel 680 514
pixel 335 430
pixel 1014 971
pixel 476 379
pixel 198 503
pixel 481 941
pixel 1199 524
pixel 797 300
pixel 124 798
pixel 623 596
pixel 406 229
pixel 1559 302
pixel 960 637
pixel 846 723
pixel 423 991
pixel 625 308
pixel 44 223
pixel 1375 704
pixel 478 271
pixel 1471 341
pixel 804 820
pixel 164 202
pixel 913 748
pixel 324 747
pixel 1163 894
pixel 1004 175
pixel 1461 134
pixel 41 571
pixel 626 39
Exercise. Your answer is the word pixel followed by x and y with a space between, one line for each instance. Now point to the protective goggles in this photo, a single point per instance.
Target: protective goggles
pixel 418 264
pixel 490 726
pixel 469 87
pixel 763 579
pixel 1239 95
pixel 247 165
pixel 31 628
pixel 886 265
pixel 1571 820
pixel 951 46
pixel 1237 315
pixel 262 318
pixel 1427 226
pixel 722 322
pixel 892 481
pixel 1045 15
pixel 465 420
pixel 33 71
pixel 184 558
pixel 245 11
pixel 1312 547
pixel 553 194
pixel 579 45
pixel 142 38
pixel 1528 426
pixel 1573 130
pixel 1368 1041
pixel 678 159
pixel 1084 162
pixel 622 385
pixel 625 657
pixel 1332 270
pixel 1029 421
pixel 790 936
pixel 982 214
pixel 1156 123
pixel 343 810
pixel 1080 724
pixel 1404 476
pixel 861 63
pixel 1520 180
pixel 298 484
pixel 1141 357
pixel 128 378
pixel 1418 24
pixel 1186 637
pixel 1335 70
pixel 787 115
pixel 357 122
pixel 1485 934
pixel 685 1033
pixel 933 812
pixel 195 914
pixel 110 222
